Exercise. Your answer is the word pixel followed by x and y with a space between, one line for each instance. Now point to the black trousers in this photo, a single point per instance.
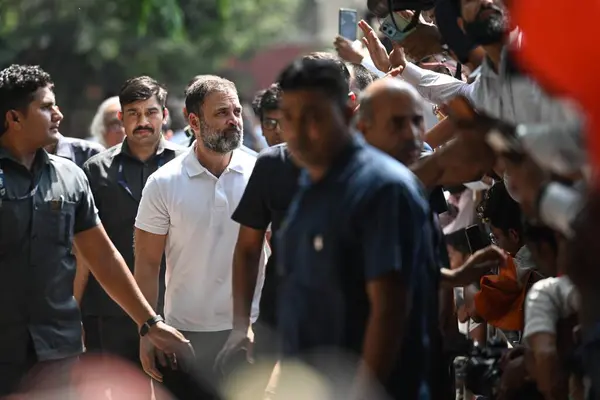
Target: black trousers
pixel 116 336
pixel 197 379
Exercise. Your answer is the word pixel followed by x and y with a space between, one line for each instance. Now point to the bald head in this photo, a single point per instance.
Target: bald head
pixel 391 118
pixel 384 91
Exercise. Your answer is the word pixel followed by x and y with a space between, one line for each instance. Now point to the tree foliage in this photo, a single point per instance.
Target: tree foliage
pixel 103 42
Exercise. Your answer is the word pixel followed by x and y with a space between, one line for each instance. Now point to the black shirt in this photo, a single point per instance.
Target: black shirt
pixel 268 194
pixel 117 195
pixel 76 150
pixel 367 217
pixel 41 211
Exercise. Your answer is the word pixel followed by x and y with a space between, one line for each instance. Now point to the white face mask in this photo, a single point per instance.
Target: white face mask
pixel 507 184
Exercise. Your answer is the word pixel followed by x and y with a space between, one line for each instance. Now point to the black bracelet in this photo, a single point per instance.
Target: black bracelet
pixel 150 323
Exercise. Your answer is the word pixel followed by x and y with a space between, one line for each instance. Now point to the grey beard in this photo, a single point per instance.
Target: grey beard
pixel 220 141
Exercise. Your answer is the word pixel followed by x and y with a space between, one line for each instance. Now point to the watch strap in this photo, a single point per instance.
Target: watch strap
pixel 148 324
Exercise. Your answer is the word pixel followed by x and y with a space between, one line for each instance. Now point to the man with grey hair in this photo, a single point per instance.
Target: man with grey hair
pixel 107 128
pixel 185 213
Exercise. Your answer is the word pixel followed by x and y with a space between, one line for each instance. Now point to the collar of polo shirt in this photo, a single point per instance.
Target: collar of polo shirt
pixel 194 168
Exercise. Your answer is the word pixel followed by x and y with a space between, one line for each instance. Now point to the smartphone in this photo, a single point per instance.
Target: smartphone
pixel 348 23
pixel 396 34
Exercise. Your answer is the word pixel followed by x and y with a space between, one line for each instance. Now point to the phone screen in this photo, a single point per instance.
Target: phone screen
pixel 348 21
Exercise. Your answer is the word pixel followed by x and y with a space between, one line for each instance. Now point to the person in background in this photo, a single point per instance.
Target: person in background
pixel 106 128
pixel 360 78
pixel 185 214
pixel 265 202
pixel 504 218
pixel 38 230
pixel 266 108
pixel 76 150
pixel 369 242
pixel 117 177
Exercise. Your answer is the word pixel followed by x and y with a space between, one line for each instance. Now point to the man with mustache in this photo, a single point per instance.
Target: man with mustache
pixel 185 213
pixel 117 177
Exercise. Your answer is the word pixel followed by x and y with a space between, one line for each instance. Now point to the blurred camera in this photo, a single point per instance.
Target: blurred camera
pixel 480 371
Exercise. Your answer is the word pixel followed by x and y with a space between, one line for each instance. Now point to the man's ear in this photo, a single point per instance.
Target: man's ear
pixel 165 115
pixel 13 120
pixel 514 235
pixel 194 122
pixel 120 116
pixel 461 24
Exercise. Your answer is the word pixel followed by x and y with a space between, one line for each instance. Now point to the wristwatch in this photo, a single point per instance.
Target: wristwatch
pixel 148 324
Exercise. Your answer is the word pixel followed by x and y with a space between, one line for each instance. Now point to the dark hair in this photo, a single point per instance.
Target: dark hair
pixel 539 234
pixel 362 77
pixel 267 100
pixel 500 210
pixel 319 75
pixel 457 5
pixel 142 88
pixel 322 55
pixel 458 240
pixel 18 84
pixel 201 88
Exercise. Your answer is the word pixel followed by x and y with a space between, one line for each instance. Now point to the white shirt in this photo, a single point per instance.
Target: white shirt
pixel 184 201
pixel 548 301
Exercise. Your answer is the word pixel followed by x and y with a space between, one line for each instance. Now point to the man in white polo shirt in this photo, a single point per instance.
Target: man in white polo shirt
pixel 185 213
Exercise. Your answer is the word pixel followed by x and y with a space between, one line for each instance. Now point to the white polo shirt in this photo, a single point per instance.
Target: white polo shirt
pixel 184 201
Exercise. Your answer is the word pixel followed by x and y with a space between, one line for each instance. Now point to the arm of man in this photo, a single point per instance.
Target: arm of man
pixel 254 217
pixel 151 228
pixel 246 257
pixel 441 133
pixel 82 274
pixel 461 160
pixel 389 240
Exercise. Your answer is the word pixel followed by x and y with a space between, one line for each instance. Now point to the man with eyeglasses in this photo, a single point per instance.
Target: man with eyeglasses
pixel 117 177
pixel 266 108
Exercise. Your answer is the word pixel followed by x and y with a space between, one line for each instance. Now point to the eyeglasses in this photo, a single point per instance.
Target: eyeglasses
pixel 270 123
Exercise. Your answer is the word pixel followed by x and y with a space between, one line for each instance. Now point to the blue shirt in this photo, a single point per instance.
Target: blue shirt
pixel 368 217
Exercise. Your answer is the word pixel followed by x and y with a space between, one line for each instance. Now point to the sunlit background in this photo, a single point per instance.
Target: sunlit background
pixel 90 47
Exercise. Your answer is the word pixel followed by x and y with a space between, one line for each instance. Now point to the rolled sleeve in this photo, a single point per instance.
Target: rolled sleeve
pixel 390 233
pixel 559 207
pixel 153 215
pixel 86 214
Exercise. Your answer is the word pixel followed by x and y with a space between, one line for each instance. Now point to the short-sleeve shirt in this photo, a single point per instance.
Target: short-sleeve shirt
pixel 368 217
pixel 117 178
pixel 269 192
pixel 193 208
pixel 42 209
